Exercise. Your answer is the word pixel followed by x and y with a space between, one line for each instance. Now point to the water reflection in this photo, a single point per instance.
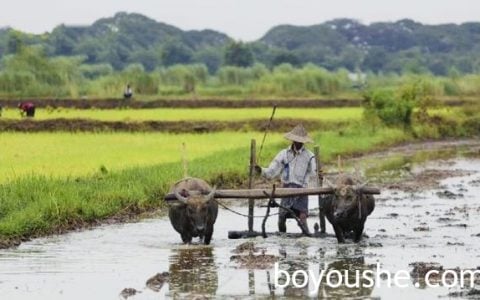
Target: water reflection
pixel 193 273
pixel 353 267
pixel 299 264
pixel 347 261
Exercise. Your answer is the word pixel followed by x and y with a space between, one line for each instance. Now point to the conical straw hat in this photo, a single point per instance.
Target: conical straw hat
pixel 298 134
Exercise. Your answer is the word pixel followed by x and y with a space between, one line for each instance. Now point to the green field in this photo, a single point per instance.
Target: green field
pixel 63 155
pixel 203 114
pixel 77 154
pixel 200 114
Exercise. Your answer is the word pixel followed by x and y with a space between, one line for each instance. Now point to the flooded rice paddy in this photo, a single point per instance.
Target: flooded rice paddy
pixel 427 213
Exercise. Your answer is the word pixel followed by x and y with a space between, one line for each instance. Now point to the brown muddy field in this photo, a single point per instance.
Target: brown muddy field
pixel 191 103
pixel 425 219
pixel 89 125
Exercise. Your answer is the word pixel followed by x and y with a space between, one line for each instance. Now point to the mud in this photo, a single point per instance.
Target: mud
pixel 192 103
pixel 406 168
pixel 428 179
pixel 249 256
pixel 421 269
pixel 86 125
pixel 465 294
pixel 98 263
pixel 128 292
pixel 156 282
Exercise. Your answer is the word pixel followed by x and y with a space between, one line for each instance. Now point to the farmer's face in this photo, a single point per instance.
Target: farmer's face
pixel 297 146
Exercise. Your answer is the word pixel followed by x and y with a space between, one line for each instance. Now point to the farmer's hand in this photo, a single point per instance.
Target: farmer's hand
pixel 320 175
pixel 258 170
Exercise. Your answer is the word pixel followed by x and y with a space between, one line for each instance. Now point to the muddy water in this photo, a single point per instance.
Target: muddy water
pixel 100 263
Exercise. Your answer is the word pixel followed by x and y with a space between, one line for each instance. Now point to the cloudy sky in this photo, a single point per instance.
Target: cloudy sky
pixel 241 19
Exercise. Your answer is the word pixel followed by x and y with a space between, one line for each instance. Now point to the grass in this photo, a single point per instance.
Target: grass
pixel 200 114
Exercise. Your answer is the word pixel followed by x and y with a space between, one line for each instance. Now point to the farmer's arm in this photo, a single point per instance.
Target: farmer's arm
pixel 275 167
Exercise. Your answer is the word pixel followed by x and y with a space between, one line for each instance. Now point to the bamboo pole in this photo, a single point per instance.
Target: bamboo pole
pixel 321 211
pixel 184 160
pixel 251 201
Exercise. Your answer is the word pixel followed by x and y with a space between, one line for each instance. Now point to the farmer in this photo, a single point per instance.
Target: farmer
pixel 27 109
pixel 128 93
pixel 296 166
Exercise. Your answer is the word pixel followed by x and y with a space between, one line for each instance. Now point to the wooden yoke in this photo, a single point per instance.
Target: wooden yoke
pixel 256 194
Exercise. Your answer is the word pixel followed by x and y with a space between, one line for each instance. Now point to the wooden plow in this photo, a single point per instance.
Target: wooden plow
pixel 265 193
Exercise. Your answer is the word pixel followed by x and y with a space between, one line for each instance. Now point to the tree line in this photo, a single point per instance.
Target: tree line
pixel 30 72
pixel 398 47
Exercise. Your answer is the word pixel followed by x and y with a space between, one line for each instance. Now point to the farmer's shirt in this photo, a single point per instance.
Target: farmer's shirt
pixel 297 167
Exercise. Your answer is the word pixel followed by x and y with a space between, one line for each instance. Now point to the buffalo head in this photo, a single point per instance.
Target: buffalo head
pixel 347 197
pixel 197 204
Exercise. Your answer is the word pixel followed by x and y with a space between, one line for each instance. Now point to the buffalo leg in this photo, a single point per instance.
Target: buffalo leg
pixel 321 213
pixel 358 234
pixel 282 220
pixel 208 235
pixel 187 239
pixel 339 233
pixel 322 220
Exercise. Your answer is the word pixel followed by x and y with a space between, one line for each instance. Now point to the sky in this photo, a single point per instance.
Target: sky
pixel 245 20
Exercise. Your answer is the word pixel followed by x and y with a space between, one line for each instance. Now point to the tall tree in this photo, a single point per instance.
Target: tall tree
pixel 238 54
pixel 15 42
pixel 174 52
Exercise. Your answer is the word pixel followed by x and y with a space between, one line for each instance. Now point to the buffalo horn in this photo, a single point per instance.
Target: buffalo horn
pixel 361 187
pixel 180 197
pixel 331 185
pixel 211 195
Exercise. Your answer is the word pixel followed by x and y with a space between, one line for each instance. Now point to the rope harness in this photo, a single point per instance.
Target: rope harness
pixel 238 213
pixel 271 203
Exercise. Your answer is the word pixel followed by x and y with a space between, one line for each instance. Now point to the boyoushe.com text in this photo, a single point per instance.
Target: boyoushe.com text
pixel 370 278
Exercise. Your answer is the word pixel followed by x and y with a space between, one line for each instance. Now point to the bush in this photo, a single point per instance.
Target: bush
pixel 96 71
pixel 386 105
pixel 472 125
pixel 309 80
pixel 234 75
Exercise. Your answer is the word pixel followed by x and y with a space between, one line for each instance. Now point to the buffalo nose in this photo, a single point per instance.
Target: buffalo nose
pixel 200 228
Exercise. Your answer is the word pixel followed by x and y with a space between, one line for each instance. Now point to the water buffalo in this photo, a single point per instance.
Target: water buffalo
pixel 196 212
pixel 348 208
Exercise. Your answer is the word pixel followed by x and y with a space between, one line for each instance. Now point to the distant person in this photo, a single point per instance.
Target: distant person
pixel 27 109
pixel 1 110
pixel 128 93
